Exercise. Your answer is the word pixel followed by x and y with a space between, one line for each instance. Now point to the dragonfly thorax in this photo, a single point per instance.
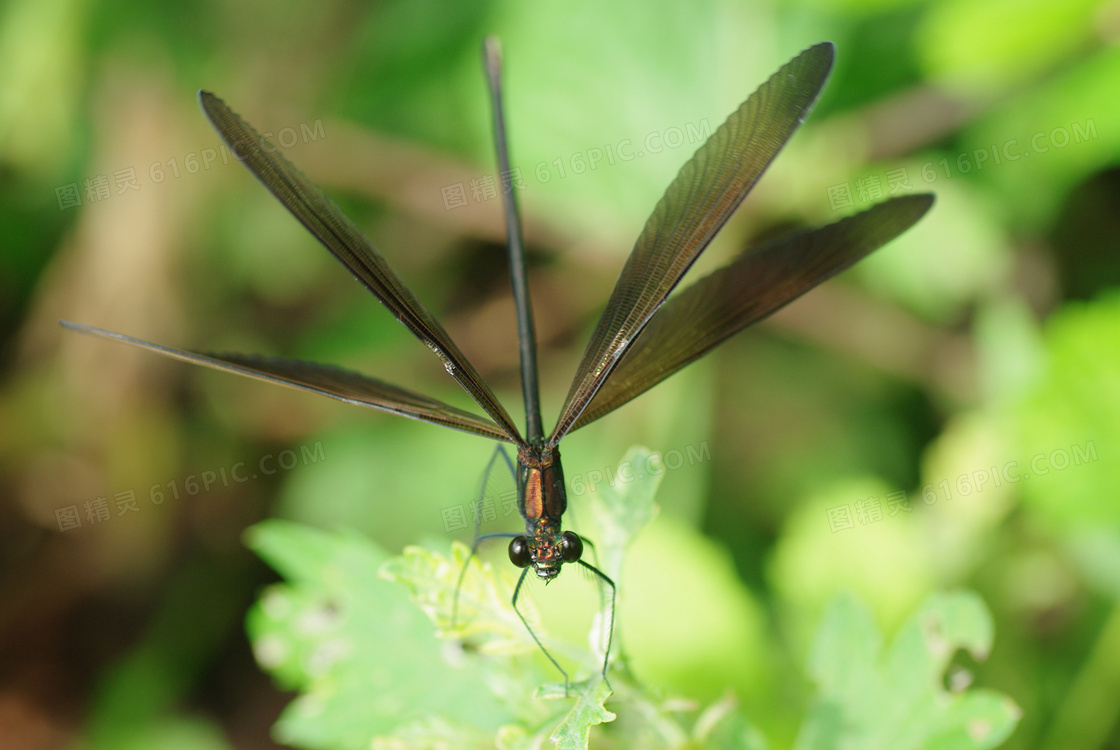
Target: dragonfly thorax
pixel 541 502
pixel 540 489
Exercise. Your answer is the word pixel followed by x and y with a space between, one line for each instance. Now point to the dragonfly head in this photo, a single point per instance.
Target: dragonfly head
pixel 546 553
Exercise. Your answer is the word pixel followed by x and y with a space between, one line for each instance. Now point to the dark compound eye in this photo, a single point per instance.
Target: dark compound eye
pixel 519 552
pixel 571 547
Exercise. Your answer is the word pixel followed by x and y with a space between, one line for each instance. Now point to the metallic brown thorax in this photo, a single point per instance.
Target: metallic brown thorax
pixel 541 500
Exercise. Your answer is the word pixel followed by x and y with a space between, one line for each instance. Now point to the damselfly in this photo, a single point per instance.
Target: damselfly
pixel 642 336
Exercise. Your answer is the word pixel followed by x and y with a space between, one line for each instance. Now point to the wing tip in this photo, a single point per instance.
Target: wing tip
pixel 909 208
pixel 206 100
pixel 825 51
pixel 492 52
pixel 95 331
pixel 80 328
pixel 922 203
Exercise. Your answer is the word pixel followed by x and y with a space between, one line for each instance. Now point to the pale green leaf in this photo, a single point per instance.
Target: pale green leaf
pixel 622 509
pixel 575 730
pixel 359 651
pixel 896 700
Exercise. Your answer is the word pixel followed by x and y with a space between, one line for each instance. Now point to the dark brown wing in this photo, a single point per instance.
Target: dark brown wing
pixel 758 283
pixel 332 382
pixel 698 202
pixel 324 219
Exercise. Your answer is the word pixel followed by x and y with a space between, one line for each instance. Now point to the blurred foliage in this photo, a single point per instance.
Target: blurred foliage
pixel 943 417
pixel 894 700
pixel 371 676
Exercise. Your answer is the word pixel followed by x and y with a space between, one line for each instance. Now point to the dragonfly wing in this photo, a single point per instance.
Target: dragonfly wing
pixel 698 202
pixel 333 382
pixel 323 219
pixel 759 282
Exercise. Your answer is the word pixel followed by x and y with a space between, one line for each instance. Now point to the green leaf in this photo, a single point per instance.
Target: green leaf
pixel 896 700
pixel 434 733
pixel 359 651
pixel 373 672
pixel 574 731
pixel 483 613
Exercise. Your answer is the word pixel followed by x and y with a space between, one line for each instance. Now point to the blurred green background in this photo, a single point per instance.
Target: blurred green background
pixel 945 414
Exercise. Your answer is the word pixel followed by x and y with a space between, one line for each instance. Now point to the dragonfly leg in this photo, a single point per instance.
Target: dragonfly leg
pixel 610 626
pixel 477 508
pixel 516 593
pixel 478 539
pixel 595 554
pixel 462 573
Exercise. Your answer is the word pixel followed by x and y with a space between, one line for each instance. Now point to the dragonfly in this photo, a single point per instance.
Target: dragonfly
pixel 643 335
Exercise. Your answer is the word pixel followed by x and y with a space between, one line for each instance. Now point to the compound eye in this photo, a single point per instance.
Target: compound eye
pixel 519 552
pixel 571 547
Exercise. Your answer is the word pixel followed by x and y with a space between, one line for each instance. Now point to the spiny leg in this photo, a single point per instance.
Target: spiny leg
pixel 467 562
pixel 595 552
pixel 610 626
pixel 516 593
pixel 478 539
pixel 477 508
